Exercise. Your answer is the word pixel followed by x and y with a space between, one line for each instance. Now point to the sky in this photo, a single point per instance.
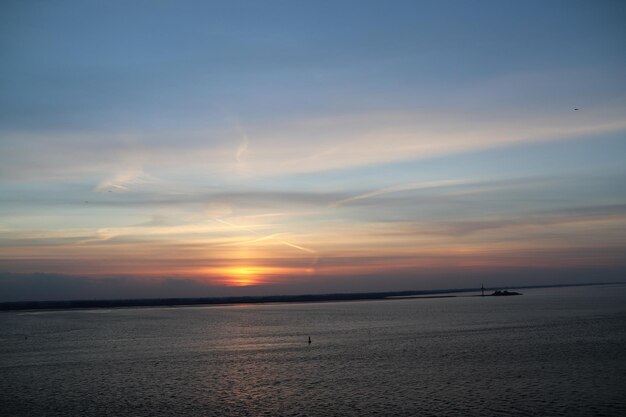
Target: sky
pixel 208 148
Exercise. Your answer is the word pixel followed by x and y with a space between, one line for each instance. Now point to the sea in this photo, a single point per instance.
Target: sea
pixel 549 352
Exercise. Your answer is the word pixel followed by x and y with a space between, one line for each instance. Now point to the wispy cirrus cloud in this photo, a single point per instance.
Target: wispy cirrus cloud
pixel 425 185
pixel 262 237
pixel 304 145
pixel 124 181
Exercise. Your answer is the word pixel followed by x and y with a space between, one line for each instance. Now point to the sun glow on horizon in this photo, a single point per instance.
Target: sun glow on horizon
pixel 243 275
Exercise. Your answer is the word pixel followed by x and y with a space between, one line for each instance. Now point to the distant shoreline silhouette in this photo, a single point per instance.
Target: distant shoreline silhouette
pixel 304 298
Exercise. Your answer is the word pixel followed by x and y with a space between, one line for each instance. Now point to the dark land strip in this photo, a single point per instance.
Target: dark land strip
pixel 304 298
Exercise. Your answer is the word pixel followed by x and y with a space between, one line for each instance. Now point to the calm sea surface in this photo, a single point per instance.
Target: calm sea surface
pixel 550 352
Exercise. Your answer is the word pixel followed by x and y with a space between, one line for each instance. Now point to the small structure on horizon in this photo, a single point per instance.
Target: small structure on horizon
pixel 482 289
pixel 504 293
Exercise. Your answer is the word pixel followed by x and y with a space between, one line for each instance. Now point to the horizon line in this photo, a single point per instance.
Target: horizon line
pixel 87 304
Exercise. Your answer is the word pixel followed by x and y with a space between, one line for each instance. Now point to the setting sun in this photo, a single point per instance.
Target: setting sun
pixel 243 275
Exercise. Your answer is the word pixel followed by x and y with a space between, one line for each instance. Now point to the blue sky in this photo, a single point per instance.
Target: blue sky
pixel 272 147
